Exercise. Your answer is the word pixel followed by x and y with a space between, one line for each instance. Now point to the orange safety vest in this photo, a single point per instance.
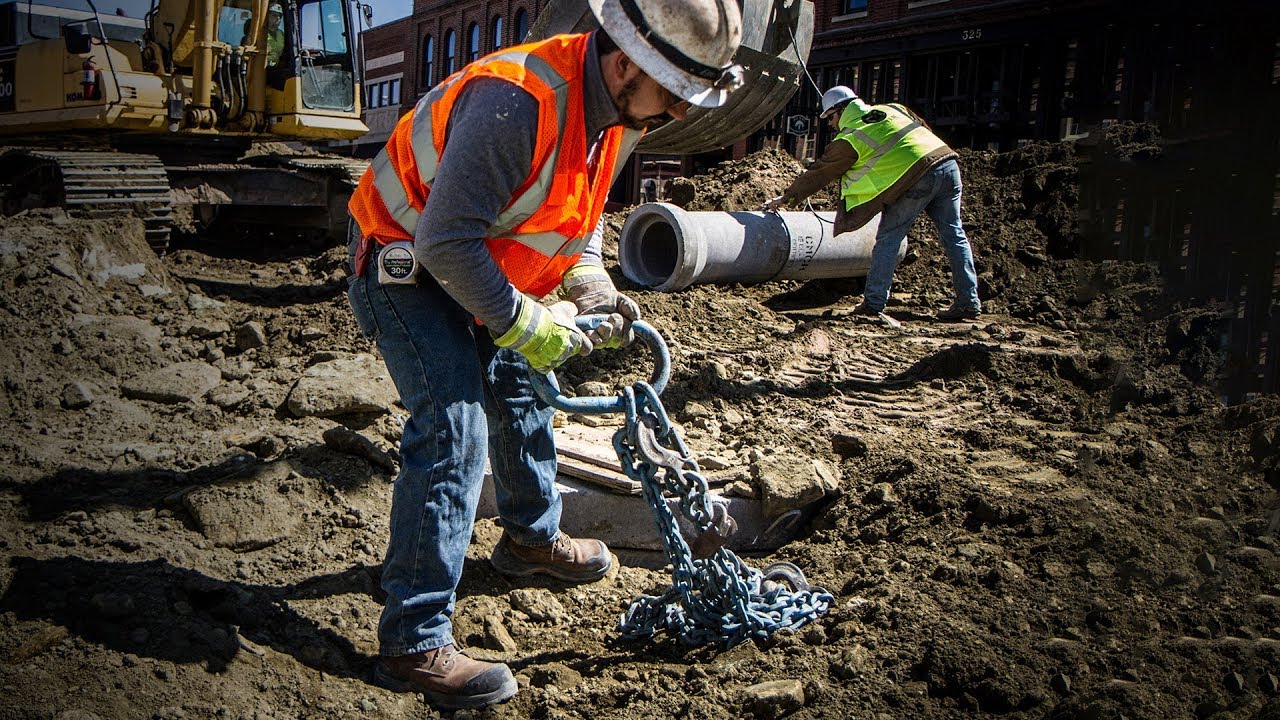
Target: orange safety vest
pixel 543 229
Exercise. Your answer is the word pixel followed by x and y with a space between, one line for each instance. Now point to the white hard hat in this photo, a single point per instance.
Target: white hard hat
pixel 687 46
pixel 275 8
pixel 834 97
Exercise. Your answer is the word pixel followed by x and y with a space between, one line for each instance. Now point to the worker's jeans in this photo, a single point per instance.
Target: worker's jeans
pixel 938 193
pixel 463 393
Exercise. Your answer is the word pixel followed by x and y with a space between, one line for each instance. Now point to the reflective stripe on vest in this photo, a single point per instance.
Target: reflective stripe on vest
pixel 423 142
pixel 887 150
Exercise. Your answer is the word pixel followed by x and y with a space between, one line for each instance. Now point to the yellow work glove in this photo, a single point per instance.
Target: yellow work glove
pixel 545 336
pixel 592 292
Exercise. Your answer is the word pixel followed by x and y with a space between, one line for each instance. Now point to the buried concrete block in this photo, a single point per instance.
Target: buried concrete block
pixel 626 521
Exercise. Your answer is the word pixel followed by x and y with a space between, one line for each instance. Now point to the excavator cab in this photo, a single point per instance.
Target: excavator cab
pixel 278 67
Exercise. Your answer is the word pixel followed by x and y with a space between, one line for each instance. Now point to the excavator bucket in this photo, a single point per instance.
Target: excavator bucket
pixel 776 37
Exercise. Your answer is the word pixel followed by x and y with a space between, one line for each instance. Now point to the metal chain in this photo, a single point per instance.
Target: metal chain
pixel 714 596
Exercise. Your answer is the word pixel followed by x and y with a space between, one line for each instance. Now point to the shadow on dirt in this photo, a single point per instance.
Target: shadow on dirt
pixel 156 610
pixel 265 294
pixel 80 489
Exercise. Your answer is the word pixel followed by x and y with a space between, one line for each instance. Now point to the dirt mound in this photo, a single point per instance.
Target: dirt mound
pixel 741 184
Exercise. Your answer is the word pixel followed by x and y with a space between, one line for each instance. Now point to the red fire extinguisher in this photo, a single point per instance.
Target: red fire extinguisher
pixel 89 79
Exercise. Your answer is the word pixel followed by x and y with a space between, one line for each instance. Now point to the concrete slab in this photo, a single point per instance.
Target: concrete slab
pixel 626 521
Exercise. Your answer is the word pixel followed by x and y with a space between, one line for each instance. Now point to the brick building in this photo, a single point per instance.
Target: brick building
pixel 406 57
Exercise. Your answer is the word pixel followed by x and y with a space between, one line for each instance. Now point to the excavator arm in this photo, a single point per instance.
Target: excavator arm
pixel 776 37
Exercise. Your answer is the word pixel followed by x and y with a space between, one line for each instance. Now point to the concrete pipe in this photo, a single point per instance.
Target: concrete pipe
pixel 666 248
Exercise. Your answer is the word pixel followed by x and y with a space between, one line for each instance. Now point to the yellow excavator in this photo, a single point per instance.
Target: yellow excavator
pixel 167 116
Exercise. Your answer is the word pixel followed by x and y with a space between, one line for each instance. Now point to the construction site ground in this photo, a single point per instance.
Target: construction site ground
pixel 1042 513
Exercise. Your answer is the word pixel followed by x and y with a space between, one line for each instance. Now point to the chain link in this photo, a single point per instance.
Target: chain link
pixel 715 596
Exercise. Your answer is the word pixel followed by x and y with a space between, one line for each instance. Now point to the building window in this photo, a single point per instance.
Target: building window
pixel 450 52
pixel 384 93
pixel 473 43
pixel 497 32
pixel 428 61
pixel 522 26
pixel 854 6
pixel 395 92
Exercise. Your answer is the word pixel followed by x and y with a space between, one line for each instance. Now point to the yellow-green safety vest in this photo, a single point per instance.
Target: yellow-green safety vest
pixel 889 142
pixel 275 46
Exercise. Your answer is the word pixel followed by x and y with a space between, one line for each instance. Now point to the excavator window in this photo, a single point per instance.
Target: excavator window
pixel 326 69
pixel 233 25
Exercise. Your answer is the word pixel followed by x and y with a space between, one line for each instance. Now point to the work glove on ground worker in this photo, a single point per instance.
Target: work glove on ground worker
pixel 545 336
pixel 772 204
pixel 592 292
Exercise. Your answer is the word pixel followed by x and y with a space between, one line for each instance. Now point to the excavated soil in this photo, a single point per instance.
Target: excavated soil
pixel 1045 513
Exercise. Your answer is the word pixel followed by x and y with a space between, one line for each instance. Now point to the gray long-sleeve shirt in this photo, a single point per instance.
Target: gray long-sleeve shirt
pixel 488 153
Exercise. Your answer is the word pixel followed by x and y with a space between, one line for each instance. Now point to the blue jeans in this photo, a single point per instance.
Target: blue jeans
pixel 464 395
pixel 937 193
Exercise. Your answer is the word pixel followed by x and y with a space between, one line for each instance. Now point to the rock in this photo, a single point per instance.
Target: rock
pixel 353 384
pixel 741 489
pixel 257 509
pixel 199 303
pixel 774 699
pixel 848 446
pixel 256 442
pixel 1234 682
pixel 136 331
pixel 131 272
pixel 344 439
pixel 77 396
pixel 592 388
pixel 1061 684
pixel 737 656
pixel 853 662
pixel 827 477
pixel 1206 563
pixel 539 604
pixel 251 335
pixel 557 674
pixel 714 462
pixel 178 383
pixel 311 333
pixel 202 328
pixel 228 397
pixel 497 637
pixel 787 482
pixel 882 494
pixel 60 265
pixel 696 410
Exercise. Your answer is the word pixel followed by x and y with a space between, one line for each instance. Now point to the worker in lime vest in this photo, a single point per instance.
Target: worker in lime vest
pixel 890 163
pixel 274 34
pixel 486 199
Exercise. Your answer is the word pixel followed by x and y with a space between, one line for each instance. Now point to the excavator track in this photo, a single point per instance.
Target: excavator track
pixel 89 184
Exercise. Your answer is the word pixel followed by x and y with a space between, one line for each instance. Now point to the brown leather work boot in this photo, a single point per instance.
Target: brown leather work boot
pixel 447 677
pixel 566 559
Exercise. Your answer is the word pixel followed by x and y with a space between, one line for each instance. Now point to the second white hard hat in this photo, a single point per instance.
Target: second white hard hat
pixel 687 46
pixel 836 96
